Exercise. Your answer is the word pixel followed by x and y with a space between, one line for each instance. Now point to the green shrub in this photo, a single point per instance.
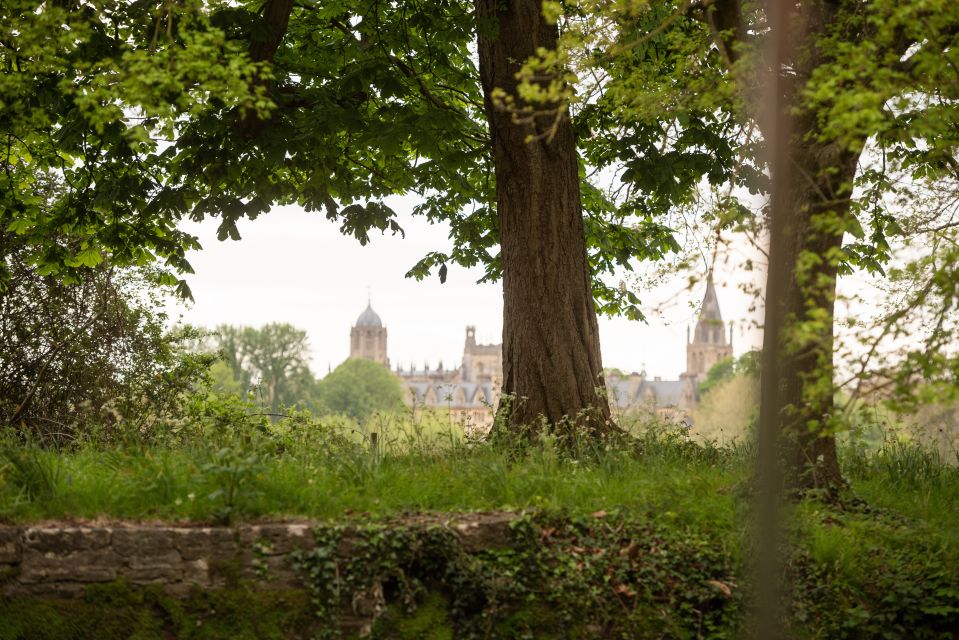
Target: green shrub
pixel 32 472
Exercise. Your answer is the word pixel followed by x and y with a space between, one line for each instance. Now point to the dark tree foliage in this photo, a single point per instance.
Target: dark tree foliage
pixel 87 355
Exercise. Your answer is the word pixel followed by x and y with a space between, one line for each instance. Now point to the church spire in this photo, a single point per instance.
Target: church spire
pixel 710 307
pixel 709 325
pixel 709 344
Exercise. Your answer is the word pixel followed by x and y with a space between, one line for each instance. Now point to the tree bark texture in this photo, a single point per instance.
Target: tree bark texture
pixel 551 358
pixel 819 205
pixel 276 18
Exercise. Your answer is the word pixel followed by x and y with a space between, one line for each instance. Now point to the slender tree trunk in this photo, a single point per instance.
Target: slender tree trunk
pixel 805 252
pixel 777 124
pixel 818 208
pixel 551 357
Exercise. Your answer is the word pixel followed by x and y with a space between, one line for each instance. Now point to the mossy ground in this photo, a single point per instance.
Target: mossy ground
pixel 427 620
pixel 117 611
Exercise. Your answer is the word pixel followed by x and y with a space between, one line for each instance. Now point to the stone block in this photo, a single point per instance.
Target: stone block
pixel 204 542
pixel 277 539
pixel 65 540
pixel 166 567
pixel 9 545
pixel 484 531
pixel 142 541
pixel 196 572
pixel 91 565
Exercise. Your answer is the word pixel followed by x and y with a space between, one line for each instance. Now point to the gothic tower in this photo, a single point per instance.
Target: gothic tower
pixel 707 347
pixel 368 337
pixel 481 362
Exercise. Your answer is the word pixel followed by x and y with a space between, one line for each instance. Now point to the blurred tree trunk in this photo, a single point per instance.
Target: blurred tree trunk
pixel 816 179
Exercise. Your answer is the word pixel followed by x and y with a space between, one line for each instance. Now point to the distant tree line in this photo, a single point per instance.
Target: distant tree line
pixel 93 355
pixel 269 365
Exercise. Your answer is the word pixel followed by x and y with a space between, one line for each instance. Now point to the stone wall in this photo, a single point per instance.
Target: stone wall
pixel 60 559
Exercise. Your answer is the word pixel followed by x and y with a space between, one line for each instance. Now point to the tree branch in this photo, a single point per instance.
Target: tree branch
pixel 725 18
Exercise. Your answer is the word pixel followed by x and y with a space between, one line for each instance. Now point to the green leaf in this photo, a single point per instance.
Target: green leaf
pixel 89 257
pixel 854 228
pixel 19 226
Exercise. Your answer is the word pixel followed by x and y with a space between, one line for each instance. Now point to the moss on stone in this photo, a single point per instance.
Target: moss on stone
pixel 118 611
pixel 532 622
pixel 8 574
pixel 430 620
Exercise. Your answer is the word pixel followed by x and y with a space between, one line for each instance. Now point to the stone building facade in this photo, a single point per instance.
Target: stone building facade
pixel 471 390
pixel 675 399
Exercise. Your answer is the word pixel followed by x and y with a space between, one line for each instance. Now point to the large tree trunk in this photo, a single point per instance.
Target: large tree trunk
pixel 551 359
pixel 263 46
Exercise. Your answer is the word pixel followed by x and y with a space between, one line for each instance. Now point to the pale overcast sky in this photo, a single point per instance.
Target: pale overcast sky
pixel 296 267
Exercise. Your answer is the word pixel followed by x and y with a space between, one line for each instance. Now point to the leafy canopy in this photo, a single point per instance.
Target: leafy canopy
pixel 358 388
pixel 147 114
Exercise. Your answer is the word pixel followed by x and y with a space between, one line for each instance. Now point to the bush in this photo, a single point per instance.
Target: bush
pixel 89 356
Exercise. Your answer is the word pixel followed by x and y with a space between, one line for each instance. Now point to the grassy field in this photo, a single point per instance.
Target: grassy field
pixel 334 473
pixel 309 469
pixel 882 561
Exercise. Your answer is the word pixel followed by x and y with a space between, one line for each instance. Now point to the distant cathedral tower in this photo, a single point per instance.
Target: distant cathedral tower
pixel 708 345
pixel 368 337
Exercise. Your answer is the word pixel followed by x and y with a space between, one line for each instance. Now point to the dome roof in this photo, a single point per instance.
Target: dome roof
pixel 369 318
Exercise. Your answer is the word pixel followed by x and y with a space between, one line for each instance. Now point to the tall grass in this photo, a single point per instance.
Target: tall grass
pixel 308 469
pixel 906 477
pixel 300 467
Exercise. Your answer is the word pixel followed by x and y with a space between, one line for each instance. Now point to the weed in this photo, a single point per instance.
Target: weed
pixel 34 472
pixel 231 474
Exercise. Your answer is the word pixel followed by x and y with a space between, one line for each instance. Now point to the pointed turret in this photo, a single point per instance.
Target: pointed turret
pixel 710 307
pixel 709 326
pixel 709 344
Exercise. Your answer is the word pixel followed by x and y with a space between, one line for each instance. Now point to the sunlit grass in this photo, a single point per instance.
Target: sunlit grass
pixel 317 471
